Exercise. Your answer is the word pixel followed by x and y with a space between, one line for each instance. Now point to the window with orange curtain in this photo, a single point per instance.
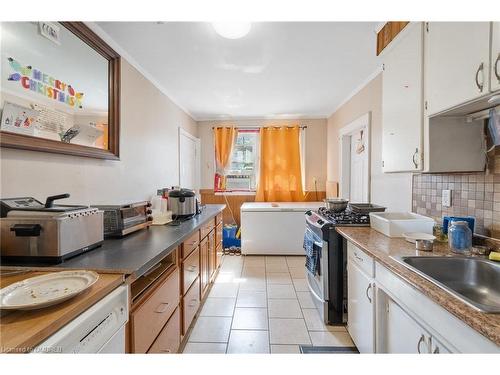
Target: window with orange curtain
pixel 280 176
pixel 224 139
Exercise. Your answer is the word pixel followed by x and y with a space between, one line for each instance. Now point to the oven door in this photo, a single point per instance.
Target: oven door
pixel 318 282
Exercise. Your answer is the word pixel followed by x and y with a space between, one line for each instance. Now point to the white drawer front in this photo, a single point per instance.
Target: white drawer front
pixel 361 259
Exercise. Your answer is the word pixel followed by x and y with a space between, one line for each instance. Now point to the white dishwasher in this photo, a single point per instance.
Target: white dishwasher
pixel 99 329
pixel 274 228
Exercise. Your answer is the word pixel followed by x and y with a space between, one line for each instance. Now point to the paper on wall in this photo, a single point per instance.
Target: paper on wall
pixel 18 119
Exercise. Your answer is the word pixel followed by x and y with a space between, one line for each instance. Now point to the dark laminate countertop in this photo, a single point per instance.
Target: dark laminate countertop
pixel 138 252
pixel 383 249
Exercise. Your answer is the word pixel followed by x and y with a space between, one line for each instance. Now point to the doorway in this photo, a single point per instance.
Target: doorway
pixel 189 161
pixel 354 150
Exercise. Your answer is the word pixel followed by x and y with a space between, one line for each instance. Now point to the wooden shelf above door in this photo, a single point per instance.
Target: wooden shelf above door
pixel 388 33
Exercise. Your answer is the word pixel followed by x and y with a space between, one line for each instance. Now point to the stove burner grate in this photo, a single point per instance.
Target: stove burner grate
pixel 344 217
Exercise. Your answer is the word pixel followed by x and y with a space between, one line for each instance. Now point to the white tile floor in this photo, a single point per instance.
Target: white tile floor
pixel 261 304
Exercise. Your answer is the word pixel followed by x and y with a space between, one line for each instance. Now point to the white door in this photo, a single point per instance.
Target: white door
pixel 189 160
pixel 495 56
pixel 354 154
pixel 402 108
pixel 358 170
pixel 457 59
pixel 360 307
pixel 404 335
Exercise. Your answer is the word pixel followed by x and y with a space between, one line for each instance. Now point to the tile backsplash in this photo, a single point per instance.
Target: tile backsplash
pixel 472 194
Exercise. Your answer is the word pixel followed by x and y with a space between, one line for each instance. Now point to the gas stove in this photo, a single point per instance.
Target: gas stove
pixel 345 217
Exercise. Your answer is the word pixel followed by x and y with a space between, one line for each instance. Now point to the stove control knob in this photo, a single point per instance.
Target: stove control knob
pixel 320 222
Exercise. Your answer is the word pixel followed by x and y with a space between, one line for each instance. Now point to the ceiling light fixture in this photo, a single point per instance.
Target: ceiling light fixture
pixel 232 30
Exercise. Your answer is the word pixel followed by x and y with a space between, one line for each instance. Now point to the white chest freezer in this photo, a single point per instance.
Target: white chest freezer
pixel 274 228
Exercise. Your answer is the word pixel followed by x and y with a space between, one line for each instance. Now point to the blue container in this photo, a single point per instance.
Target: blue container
pixel 229 236
pixel 448 219
pixel 460 237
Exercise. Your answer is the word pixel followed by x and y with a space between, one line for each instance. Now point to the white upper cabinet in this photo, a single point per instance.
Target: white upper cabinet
pixel 495 56
pixel 402 103
pixel 457 63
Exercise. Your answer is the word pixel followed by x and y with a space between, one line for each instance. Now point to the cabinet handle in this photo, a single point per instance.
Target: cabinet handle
pixel 165 350
pixel 161 309
pixel 420 341
pixel 480 69
pixel 436 351
pixel 358 257
pixel 191 268
pixel 497 73
pixel 415 155
pixel 367 290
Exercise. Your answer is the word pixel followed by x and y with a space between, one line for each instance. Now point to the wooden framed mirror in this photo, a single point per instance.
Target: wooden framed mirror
pixel 59 90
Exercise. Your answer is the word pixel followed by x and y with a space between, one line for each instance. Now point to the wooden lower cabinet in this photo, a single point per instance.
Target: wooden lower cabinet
pixel 211 256
pixel 149 317
pixel 169 339
pixel 167 300
pixel 219 252
pixel 190 269
pixel 207 228
pixel 204 277
pixel 190 305
pixel 190 244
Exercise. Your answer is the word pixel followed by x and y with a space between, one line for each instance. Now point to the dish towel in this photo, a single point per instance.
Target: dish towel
pixel 312 253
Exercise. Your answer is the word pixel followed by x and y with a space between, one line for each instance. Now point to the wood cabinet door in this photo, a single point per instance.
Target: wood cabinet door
pixel 495 56
pixel 190 270
pixel 457 63
pixel 360 307
pixel 219 253
pixel 211 256
pixel 403 334
pixel 169 339
pixel 203 267
pixel 190 304
pixel 402 104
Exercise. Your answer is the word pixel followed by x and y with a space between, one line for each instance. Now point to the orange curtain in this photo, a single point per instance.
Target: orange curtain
pixel 224 142
pixel 280 178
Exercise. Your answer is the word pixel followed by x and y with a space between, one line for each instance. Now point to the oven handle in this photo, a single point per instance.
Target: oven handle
pixel 324 269
pixel 313 292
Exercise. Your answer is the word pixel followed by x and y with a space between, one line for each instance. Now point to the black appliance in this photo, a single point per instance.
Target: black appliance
pixel 328 284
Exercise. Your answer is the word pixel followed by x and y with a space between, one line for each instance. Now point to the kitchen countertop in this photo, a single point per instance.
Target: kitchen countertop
pixel 382 248
pixel 20 331
pixel 136 253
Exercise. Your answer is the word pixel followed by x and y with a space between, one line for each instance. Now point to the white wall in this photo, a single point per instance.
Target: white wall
pixel 315 147
pixel 148 154
pixel 392 190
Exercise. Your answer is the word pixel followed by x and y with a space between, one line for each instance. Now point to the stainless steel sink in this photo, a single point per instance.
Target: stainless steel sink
pixel 475 281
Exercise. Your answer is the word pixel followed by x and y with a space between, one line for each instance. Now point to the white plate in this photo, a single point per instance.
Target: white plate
pixel 46 290
pixel 413 236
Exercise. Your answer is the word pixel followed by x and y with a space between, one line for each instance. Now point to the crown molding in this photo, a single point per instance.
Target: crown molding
pixel 263 118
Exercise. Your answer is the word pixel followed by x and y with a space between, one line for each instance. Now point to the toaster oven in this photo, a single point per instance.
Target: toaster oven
pixel 120 220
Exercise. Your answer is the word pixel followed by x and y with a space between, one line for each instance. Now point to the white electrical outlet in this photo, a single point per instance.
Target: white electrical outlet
pixel 446 198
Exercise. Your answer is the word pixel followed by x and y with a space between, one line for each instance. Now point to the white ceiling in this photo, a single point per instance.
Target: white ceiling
pixel 280 69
